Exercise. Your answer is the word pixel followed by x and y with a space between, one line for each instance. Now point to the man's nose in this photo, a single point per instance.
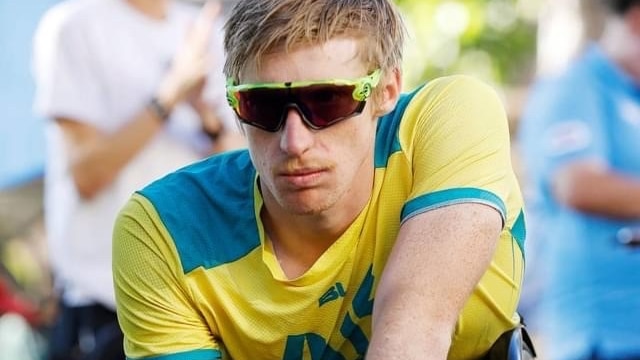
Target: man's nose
pixel 296 137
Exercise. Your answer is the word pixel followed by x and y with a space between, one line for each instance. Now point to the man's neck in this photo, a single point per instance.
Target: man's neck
pixel 299 240
pixel 156 9
pixel 300 243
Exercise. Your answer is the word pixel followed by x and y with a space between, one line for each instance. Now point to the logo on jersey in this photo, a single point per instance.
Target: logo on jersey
pixel 353 329
pixel 334 292
pixel 567 137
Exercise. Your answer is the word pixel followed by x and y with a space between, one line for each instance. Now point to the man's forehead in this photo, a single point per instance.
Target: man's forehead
pixel 336 58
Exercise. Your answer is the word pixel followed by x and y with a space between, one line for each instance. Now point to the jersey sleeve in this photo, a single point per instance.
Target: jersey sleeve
pixel 457 140
pixel 155 310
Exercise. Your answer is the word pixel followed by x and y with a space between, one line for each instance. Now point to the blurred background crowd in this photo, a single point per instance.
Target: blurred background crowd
pixel 507 43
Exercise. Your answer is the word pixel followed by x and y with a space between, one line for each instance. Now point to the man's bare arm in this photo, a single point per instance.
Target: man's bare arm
pixel 592 187
pixel 438 259
pixel 97 158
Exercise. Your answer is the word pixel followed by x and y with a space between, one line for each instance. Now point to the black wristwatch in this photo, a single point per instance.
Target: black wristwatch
pixel 213 135
pixel 158 109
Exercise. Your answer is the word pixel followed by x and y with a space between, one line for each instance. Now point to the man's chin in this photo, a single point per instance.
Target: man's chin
pixel 303 205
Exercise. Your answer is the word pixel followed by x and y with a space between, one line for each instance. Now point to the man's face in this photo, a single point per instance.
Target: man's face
pixel 305 171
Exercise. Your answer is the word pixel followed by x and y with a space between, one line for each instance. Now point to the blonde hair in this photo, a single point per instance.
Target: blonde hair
pixel 256 28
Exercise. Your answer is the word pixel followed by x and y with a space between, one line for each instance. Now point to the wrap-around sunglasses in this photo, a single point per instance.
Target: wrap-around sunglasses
pixel 320 103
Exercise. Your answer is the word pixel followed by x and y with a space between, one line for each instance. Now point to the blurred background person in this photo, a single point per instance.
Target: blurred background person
pixel 563 30
pixel 134 90
pixel 578 137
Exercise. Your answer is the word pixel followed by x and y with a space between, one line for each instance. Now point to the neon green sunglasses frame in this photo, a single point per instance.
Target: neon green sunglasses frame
pixel 363 86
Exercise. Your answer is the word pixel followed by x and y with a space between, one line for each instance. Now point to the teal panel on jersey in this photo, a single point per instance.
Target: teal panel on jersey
pixel 519 230
pixel 387 132
pixel 205 354
pixel 190 208
pixel 450 197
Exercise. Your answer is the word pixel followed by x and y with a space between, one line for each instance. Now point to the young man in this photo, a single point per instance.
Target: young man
pixel 360 221
pixel 579 138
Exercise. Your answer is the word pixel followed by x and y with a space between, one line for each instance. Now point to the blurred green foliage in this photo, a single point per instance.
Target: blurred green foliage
pixel 491 39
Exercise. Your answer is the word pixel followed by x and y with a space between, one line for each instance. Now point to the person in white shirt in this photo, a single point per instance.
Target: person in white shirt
pixel 134 90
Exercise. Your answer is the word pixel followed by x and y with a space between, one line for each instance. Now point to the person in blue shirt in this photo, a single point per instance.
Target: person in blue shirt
pixel 579 137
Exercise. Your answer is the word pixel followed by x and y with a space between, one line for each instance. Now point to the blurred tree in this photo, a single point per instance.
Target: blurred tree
pixel 491 39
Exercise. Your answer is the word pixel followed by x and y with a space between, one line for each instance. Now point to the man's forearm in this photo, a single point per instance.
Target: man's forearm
pixel 592 187
pixel 406 337
pixel 97 158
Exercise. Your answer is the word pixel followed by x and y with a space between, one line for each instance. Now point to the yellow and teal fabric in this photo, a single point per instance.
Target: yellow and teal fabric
pixel 196 280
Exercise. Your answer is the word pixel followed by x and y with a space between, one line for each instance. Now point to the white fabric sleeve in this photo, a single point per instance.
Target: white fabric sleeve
pixel 65 72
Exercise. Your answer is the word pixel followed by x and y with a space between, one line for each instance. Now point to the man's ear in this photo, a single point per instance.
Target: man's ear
pixel 391 86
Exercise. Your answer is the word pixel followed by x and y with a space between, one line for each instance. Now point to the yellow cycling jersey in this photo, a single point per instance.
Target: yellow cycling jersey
pixel 196 279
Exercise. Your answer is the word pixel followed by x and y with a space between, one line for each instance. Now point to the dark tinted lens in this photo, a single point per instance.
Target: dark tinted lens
pixel 326 104
pixel 321 105
pixel 263 107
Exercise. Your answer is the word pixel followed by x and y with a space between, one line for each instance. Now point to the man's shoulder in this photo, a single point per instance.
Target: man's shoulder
pixel 441 97
pixel 423 107
pixel 553 97
pixel 208 208
pixel 454 89
pixel 73 12
pixel 387 141
pixel 185 8
pixel 69 20
pixel 587 75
